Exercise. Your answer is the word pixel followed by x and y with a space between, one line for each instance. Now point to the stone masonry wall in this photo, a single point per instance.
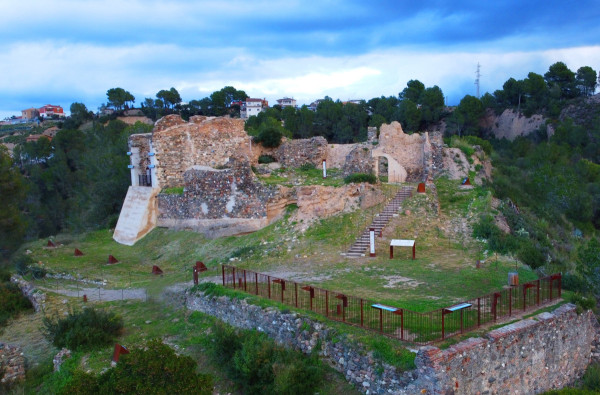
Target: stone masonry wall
pixel 214 194
pixel 295 153
pixel 12 364
pixel 533 355
pixel 203 141
pixel 359 160
pixel 406 149
pixel 548 351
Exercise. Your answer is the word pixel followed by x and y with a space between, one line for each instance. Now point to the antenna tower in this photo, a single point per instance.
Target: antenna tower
pixel 478 74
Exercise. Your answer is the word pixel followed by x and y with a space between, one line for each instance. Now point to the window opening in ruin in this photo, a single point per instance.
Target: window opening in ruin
pixel 383 168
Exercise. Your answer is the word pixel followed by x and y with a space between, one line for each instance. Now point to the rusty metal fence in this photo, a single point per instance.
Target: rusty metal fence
pixel 403 324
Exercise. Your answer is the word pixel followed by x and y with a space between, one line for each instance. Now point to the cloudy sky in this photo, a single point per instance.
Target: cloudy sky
pixel 65 51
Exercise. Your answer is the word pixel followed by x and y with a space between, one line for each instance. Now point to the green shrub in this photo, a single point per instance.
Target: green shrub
pixel 360 177
pixel 269 137
pixel 266 159
pixel 575 283
pixel 531 254
pixel 12 302
pixel 583 304
pixel 485 145
pixel 86 329
pixel 307 166
pixel 172 191
pixel 154 369
pixel 591 378
pixel 259 366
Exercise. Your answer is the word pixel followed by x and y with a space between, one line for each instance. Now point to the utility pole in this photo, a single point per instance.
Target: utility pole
pixel 477 74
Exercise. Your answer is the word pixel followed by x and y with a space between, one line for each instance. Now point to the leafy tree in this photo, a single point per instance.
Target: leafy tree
pixel 12 187
pixel 466 116
pixel 79 115
pixel 559 76
pixel 586 80
pixel 169 98
pixel 119 97
pixel 413 91
pixel 432 104
pixel 409 115
pixel 221 100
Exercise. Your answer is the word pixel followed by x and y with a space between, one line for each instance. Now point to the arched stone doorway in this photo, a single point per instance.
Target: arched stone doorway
pixel 395 171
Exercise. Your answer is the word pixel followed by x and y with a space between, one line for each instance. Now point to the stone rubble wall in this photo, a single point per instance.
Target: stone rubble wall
pixel 12 364
pixel 295 153
pixel 142 142
pixel 359 160
pixel 35 296
pixel 214 194
pixel 204 141
pixel 360 367
pixel 548 351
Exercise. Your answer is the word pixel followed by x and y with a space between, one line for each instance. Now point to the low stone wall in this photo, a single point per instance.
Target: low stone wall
pixel 548 351
pixel 350 358
pixel 35 296
pixel 12 364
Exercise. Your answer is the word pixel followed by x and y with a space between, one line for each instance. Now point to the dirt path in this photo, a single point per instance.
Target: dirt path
pixel 100 294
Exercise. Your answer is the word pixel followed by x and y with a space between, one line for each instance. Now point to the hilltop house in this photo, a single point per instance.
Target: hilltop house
pixel 287 102
pixel 49 110
pixel 30 113
pixel 252 107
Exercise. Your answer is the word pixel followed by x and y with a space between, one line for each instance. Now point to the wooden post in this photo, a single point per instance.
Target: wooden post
pixel 256 282
pixel 391 252
pixel 443 329
pixel 381 320
pixel 327 303
pixel 402 324
pixel 538 292
pixel 233 271
pixel 296 292
pixel 223 271
pixel 245 285
pixel 414 250
pixel 269 285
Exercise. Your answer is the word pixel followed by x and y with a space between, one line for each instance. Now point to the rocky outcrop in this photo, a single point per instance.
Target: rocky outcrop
pixel 511 124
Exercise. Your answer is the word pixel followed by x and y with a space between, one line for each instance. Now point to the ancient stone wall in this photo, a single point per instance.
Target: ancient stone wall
pixel 530 356
pixel 548 351
pixel 295 153
pixel 12 364
pixel 218 193
pixel 407 150
pixel 358 160
pixel 203 141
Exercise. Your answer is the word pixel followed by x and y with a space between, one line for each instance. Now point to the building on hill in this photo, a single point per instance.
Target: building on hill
pixel 313 106
pixel 252 107
pixel 287 102
pixel 30 113
pixel 49 110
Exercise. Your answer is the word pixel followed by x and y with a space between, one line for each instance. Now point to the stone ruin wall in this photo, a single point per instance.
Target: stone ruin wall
pixel 212 194
pixel 142 143
pixel 530 356
pixel 211 157
pixel 12 364
pixel 204 141
pixel 407 149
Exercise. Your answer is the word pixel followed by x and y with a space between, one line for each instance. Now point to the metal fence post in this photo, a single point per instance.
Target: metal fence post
pixel 326 303
pixel 361 312
pixel 223 271
pixel 256 282
pixel 478 312
pixel 296 292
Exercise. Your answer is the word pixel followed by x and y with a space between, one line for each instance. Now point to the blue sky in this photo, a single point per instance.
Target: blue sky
pixel 64 51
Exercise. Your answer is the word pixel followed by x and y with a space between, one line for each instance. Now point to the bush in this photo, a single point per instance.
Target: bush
pixel 591 378
pixel 266 159
pixel 12 302
pixel 155 369
pixel 360 177
pixel 575 283
pixel 531 254
pixel 307 166
pixel 259 366
pixel 269 137
pixel 87 329
pixel 583 304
